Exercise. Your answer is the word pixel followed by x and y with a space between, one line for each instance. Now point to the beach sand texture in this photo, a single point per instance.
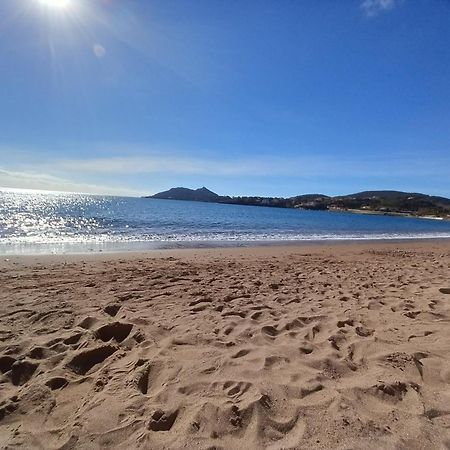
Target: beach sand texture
pixel 321 347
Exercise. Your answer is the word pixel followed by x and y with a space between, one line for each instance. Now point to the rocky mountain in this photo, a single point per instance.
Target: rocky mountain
pixel 180 193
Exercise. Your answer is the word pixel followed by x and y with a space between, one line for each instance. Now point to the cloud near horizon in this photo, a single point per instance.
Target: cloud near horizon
pixel 42 181
pixel 119 175
pixel 402 164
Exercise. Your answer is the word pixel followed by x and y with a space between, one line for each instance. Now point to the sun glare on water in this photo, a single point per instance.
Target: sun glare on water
pixel 57 4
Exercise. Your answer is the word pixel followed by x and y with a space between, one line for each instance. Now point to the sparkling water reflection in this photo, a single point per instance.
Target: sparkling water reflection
pixel 33 221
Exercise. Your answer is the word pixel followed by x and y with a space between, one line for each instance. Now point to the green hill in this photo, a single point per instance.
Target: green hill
pixel 380 202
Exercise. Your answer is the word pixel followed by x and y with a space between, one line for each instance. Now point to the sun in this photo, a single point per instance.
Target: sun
pixel 57 4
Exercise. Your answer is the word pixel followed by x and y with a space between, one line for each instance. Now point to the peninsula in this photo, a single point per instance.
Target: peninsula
pixel 367 202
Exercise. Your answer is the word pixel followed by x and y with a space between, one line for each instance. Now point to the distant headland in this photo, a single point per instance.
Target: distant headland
pixel 367 202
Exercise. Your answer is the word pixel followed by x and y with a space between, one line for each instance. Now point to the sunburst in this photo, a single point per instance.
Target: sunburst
pixel 56 4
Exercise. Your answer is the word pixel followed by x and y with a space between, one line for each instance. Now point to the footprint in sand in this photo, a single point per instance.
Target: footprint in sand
pixel 306 349
pixel 236 388
pixel 147 375
pixel 241 353
pixel 275 360
pixel 256 315
pixel 395 391
pixel 162 421
pixel 56 383
pixel 270 331
pixel 22 371
pixel 117 331
pixel 88 322
pixel 71 340
pixel 84 361
pixel 112 309
pixel 343 323
pixel 6 363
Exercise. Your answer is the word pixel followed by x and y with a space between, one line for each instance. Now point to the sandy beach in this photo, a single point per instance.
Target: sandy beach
pixel 337 346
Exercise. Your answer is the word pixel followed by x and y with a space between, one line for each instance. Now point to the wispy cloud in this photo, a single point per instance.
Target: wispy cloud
pixel 37 180
pixel 147 173
pixel 257 166
pixel 372 8
pixel 182 165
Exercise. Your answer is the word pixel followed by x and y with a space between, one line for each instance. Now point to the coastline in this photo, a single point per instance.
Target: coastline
pixel 390 203
pixel 371 212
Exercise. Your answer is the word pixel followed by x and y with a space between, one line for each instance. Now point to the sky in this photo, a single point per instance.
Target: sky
pixel 255 97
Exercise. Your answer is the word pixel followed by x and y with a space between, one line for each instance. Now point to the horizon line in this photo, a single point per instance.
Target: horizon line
pixel 148 196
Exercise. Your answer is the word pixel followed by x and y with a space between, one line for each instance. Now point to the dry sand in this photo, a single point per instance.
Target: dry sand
pixel 321 347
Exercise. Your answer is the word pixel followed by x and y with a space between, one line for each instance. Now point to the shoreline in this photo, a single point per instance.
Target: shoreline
pixel 303 247
pixel 372 212
pixel 140 247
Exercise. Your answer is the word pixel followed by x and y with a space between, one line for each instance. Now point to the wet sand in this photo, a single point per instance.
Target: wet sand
pixel 332 346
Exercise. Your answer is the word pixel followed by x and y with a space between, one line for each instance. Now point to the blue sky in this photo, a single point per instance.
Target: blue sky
pixel 245 97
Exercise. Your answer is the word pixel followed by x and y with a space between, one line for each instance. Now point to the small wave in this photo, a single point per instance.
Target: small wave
pixel 74 245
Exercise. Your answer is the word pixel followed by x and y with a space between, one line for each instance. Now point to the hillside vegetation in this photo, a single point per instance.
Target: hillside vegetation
pixel 380 202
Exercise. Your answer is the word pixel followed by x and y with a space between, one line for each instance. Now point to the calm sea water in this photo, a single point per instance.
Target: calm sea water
pixel 38 222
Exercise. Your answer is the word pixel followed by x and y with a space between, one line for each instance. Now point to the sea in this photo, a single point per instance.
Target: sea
pixel 42 222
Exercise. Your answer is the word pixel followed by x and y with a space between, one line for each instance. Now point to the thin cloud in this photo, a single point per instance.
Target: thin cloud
pixel 178 165
pixel 47 182
pixel 300 166
pixel 109 175
pixel 372 8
